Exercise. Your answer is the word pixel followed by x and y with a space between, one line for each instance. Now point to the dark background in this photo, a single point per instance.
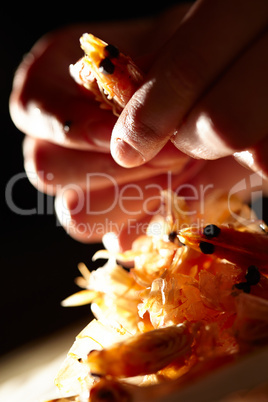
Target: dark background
pixel 38 261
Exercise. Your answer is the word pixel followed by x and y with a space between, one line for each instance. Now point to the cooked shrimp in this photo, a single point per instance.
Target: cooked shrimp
pixel 239 247
pixel 141 354
pixel 109 74
pixel 111 390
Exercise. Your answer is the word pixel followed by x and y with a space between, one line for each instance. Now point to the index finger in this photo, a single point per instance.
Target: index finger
pixel 46 102
pixel 209 39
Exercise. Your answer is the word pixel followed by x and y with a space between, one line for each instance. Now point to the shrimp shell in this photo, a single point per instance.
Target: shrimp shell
pixel 239 247
pixel 141 354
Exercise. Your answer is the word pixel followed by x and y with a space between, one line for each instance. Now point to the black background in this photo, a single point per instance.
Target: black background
pixel 38 259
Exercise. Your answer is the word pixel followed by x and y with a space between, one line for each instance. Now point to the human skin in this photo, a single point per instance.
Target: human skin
pixel 207 89
pixel 60 158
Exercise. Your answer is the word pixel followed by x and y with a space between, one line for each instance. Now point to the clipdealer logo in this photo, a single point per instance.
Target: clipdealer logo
pixel 130 199
pixel 119 195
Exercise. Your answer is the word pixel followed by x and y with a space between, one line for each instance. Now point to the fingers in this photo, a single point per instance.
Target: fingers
pixel 94 195
pixel 51 167
pixel 124 211
pixel 212 35
pixel 89 215
pixel 46 102
pixel 233 115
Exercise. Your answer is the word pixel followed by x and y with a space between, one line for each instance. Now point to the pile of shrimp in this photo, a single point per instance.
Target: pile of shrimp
pixel 189 297
pixel 178 313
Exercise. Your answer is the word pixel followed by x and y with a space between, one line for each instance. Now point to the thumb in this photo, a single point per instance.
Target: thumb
pixel 205 44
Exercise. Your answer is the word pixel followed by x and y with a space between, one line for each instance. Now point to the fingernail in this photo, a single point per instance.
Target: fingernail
pixel 125 155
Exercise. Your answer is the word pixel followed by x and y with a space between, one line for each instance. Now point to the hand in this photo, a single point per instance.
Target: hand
pixel 207 91
pixel 67 147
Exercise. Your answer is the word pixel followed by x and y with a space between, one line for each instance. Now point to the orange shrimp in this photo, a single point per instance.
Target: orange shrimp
pixel 238 247
pixel 141 354
pixel 111 390
pixel 109 74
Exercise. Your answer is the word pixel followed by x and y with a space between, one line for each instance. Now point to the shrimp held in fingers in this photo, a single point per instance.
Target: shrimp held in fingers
pixel 109 74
